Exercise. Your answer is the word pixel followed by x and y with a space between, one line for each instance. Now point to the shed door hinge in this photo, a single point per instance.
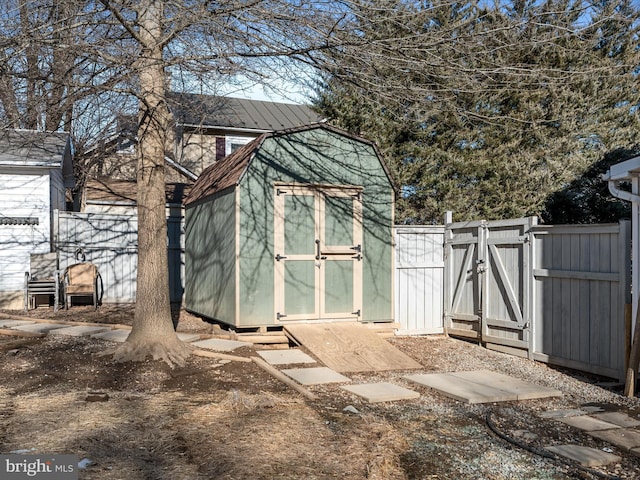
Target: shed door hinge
pixel 280 315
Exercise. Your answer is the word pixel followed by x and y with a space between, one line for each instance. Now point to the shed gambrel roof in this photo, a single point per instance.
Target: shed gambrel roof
pixel 228 172
pixel 210 111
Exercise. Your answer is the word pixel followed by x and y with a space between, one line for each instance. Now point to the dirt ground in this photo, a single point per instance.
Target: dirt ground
pixel 213 419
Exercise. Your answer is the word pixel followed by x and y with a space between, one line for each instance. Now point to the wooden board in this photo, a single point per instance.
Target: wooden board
pixel 350 347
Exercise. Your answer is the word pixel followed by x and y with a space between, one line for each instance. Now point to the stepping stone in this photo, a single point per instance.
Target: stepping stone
pixel 78 331
pixel 523 390
pixel 588 424
pixel 620 437
pixel 188 337
pixel 14 323
pixel 115 335
pixel 381 392
pixel 574 412
pixel 315 376
pixel 285 357
pixel 586 456
pixel 482 386
pixel 618 418
pixel 460 389
pixel 220 345
pixel 40 327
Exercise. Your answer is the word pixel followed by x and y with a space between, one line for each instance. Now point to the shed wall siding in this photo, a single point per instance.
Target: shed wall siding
pixel 321 158
pixel 23 195
pixel 210 272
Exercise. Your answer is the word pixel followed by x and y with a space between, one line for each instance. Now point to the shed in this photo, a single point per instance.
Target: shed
pixel 35 171
pixel 294 226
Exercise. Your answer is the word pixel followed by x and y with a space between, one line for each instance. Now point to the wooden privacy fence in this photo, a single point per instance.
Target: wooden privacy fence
pixel 111 242
pixel 552 293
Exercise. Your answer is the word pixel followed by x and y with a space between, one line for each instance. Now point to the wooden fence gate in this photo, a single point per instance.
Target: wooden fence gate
pixel 488 282
pixel 551 293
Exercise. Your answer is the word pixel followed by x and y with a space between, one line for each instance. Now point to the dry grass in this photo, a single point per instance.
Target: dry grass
pixel 218 420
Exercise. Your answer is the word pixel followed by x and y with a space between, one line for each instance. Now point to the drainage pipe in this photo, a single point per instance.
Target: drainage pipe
pixel 622 194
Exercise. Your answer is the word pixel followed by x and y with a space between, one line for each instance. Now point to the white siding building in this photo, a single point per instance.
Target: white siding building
pixel 35 170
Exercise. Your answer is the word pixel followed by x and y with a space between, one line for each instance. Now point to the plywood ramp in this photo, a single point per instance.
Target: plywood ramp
pixel 349 347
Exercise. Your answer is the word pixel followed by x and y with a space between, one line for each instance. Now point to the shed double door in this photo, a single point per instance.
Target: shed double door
pixel 318 253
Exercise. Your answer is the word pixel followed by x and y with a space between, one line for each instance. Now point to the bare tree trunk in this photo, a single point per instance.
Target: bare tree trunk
pixel 153 333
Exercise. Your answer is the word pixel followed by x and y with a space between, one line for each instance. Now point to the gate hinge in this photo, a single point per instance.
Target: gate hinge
pixel 524 238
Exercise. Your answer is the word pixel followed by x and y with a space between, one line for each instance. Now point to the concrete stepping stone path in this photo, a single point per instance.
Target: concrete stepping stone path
pixel 622 438
pixel 14 323
pixel 618 418
pixel 588 424
pixel 39 327
pixel 381 392
pixel 585 456
pixel 315 375
pixel 78 331
pixel 482 386
pixel 285 357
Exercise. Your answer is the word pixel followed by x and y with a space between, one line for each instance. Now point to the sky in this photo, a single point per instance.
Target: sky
pixel 283 91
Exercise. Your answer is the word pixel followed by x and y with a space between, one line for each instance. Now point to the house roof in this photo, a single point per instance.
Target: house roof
pixel 34 149
pixel 228 171
pixel 209 111
pixel 107 191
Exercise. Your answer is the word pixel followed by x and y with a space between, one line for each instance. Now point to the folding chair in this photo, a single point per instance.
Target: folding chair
pixel 42 280
pixel 80 280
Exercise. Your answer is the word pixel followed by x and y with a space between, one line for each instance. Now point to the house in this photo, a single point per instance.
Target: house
pixel 36 172
pixel 208 128
pixel 294 226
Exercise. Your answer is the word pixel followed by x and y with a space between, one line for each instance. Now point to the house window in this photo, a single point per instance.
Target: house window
pixel 234 143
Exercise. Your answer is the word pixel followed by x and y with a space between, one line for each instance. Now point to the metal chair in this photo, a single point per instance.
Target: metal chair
pixel 80 280
pixel 42 280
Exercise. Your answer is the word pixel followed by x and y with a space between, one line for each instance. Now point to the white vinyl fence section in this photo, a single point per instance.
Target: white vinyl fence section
pixel 419 279
pixel 111 242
